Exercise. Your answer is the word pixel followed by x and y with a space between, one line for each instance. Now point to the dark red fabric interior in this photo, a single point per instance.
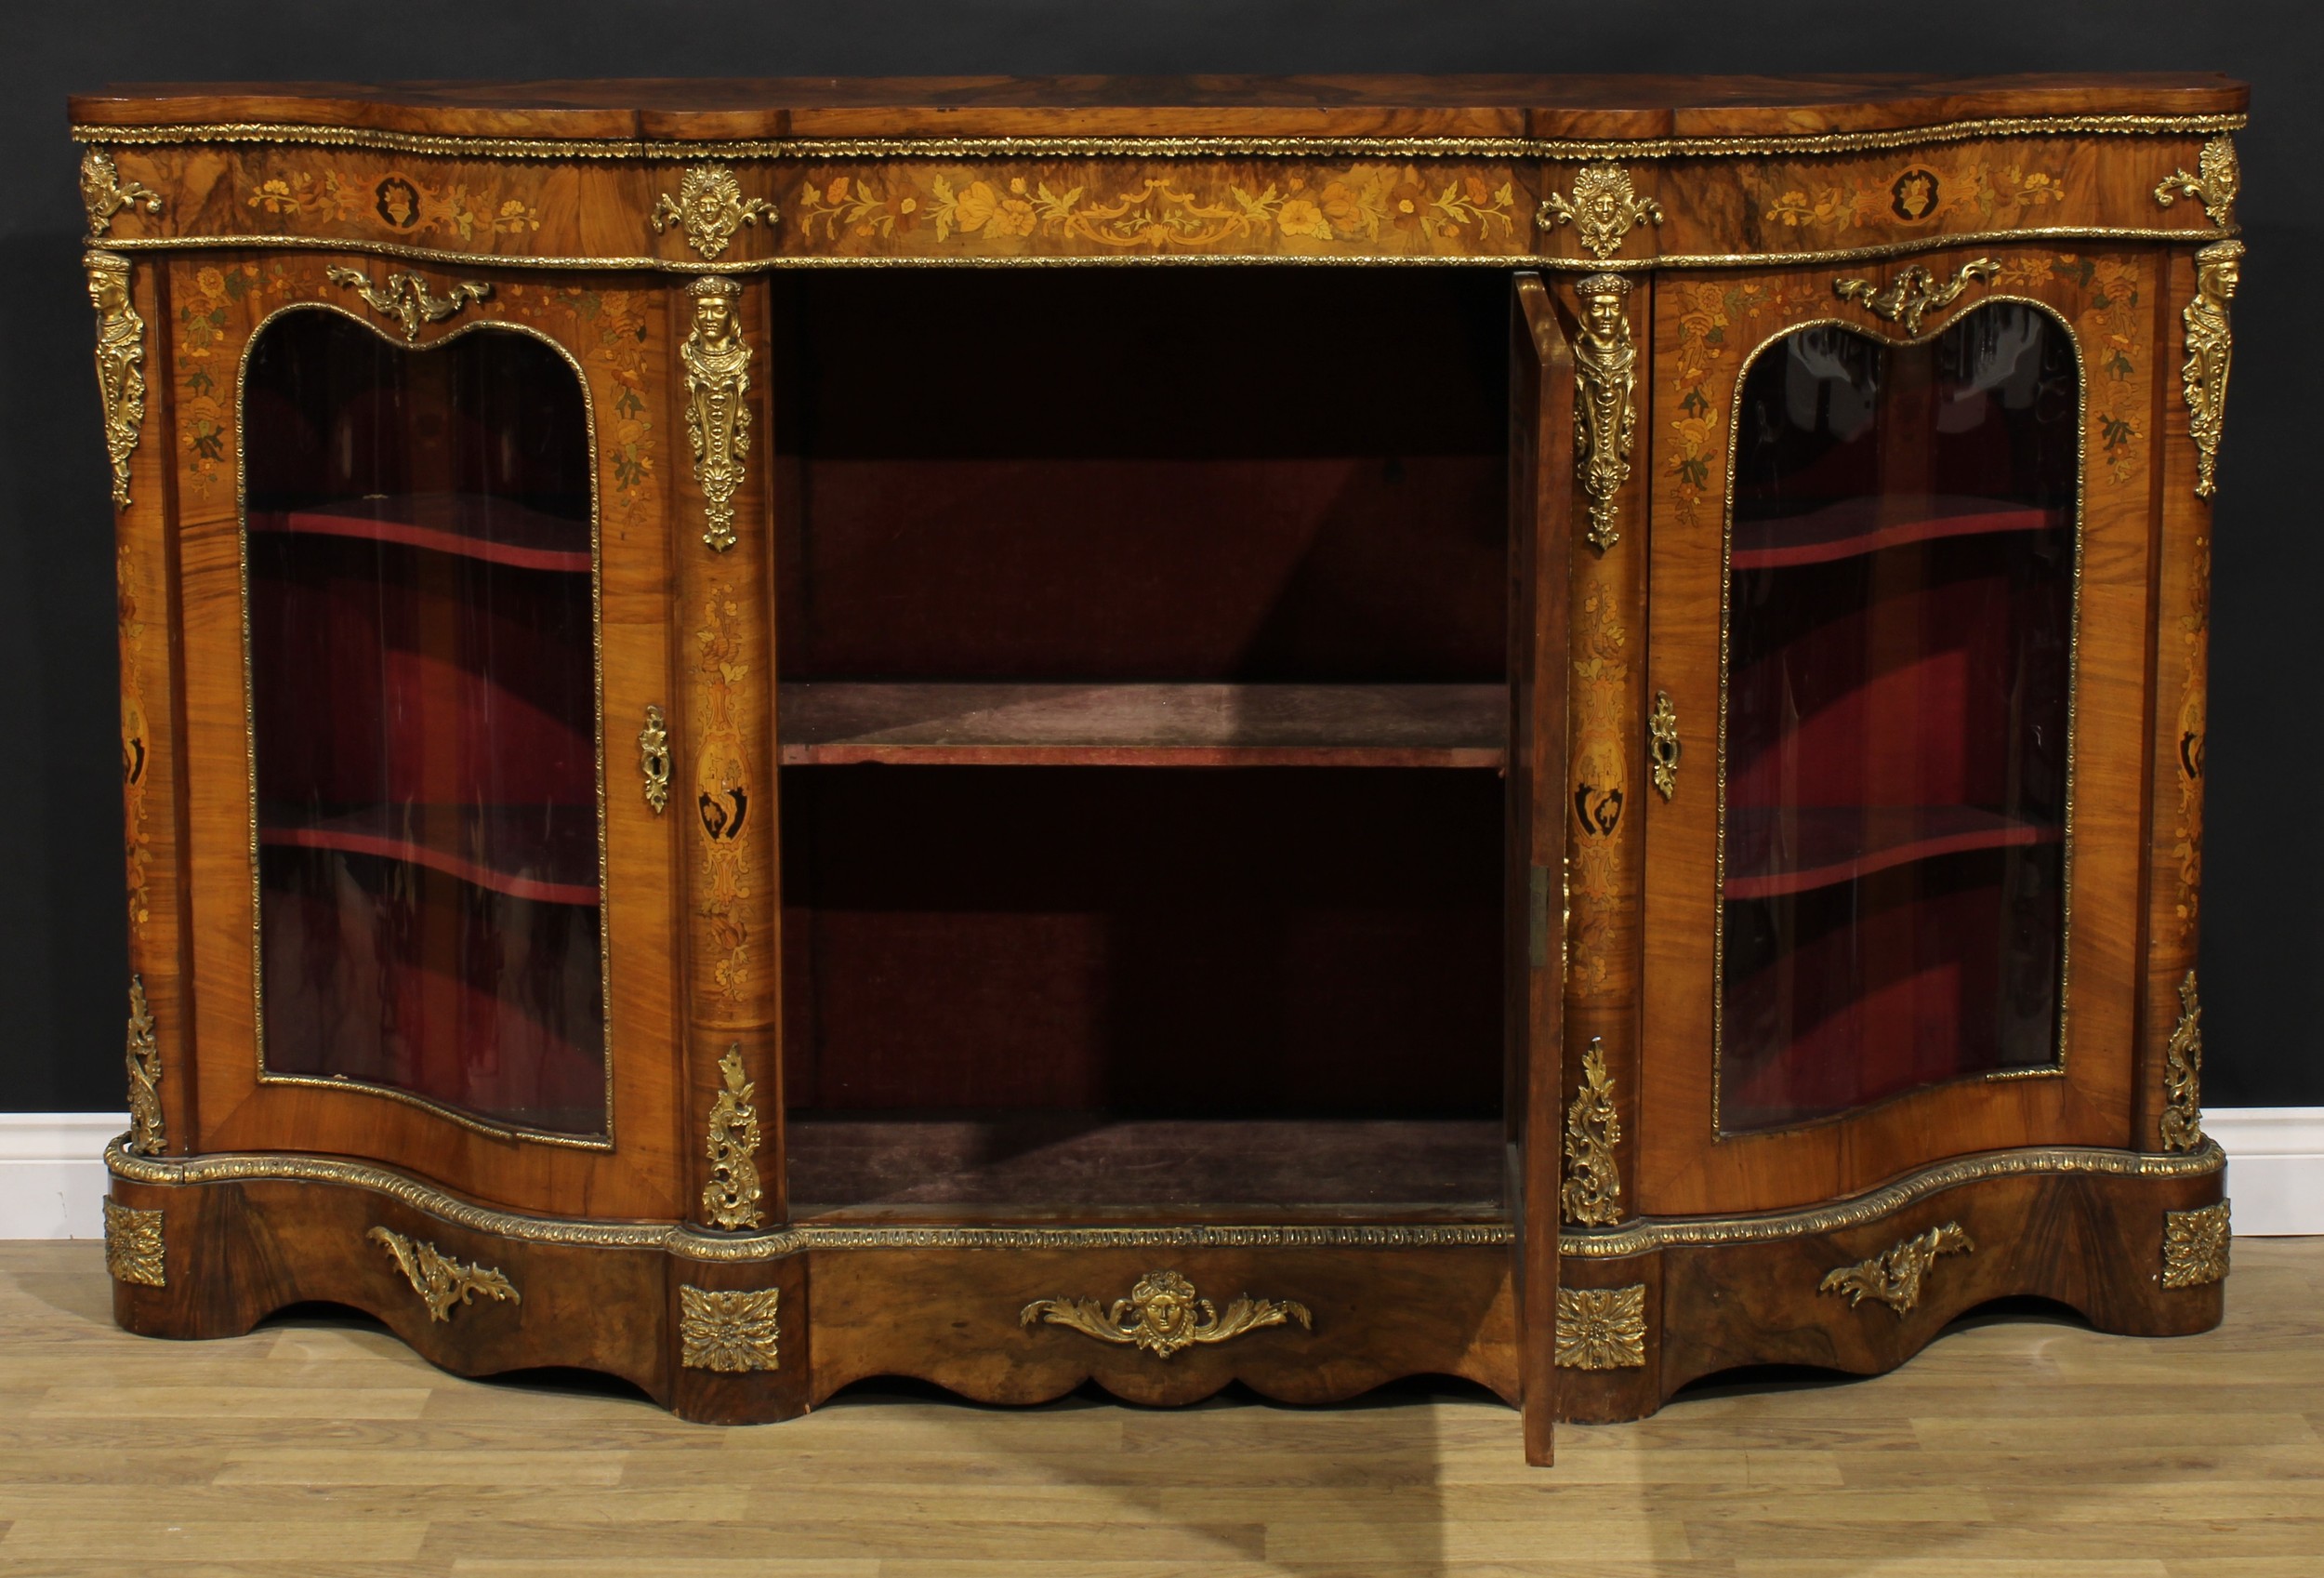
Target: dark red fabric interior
pixel 423 699
pixel 1899 615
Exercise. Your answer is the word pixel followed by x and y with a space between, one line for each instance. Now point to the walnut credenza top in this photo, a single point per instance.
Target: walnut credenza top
pixel 1562 172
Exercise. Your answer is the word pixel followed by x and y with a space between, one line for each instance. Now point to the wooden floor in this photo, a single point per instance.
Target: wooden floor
pixel 2023 1446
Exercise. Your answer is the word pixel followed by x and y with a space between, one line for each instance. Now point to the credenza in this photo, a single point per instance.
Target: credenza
pixel 1293 731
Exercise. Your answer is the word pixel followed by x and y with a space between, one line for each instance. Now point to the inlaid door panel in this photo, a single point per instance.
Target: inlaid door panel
pixel 1900 563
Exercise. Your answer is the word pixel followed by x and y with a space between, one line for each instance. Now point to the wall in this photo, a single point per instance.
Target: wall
pixel 60 925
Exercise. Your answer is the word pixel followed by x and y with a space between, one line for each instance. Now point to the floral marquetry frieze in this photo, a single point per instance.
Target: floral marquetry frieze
pixel 1184 208
pixel 972 210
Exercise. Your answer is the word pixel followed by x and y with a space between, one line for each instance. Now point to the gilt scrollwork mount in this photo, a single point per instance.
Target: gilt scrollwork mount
pixel 1163 1315
pixel 104 193
pixel 709 208
pixel 405 298
pixel 731 1199
pixel 2183 1073
pixel 1591 1195
pixel 717 359
pixel 142 1053
pixel 1604 208
pixel 1606 404
pixel 1914 292
pixel 442 1282
pixel 2215 182
pixel 1895 1275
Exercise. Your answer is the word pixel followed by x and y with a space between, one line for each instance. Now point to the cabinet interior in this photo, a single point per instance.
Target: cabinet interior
pixel 1149 525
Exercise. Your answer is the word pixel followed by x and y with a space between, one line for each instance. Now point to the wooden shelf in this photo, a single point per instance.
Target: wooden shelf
pixel 833 723
pixel 544 853
pixel 472 525
pixel 975 1166
pixel 1855 526
pixel 1773 853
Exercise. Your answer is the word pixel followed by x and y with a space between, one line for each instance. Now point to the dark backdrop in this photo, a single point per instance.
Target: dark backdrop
pixel 60 879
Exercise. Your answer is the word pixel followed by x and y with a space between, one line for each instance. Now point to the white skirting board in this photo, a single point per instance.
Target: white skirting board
pixel 2275 1167
pixel 52 1172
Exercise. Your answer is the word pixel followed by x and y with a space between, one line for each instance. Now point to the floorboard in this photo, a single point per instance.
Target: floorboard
pixel 318 1447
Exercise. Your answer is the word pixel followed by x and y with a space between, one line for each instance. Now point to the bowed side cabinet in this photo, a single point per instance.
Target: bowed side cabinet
pixel 1289 731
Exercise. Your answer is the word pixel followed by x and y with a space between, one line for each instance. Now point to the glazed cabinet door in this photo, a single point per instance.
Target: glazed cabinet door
pixel 426 669
pixel 1900 565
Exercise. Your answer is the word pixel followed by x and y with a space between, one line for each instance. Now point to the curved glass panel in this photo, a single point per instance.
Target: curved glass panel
pixel 423 687
pixel 1899 657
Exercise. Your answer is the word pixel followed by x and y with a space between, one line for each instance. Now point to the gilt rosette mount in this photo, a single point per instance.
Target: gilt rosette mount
pixel 1163 1314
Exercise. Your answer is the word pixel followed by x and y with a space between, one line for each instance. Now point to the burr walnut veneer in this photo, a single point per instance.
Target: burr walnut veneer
pixel 1290 731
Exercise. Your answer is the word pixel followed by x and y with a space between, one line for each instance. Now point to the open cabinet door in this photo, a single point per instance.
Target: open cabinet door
pixel 1540 488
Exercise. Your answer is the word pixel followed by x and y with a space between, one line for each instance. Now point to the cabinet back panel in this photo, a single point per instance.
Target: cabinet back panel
pixel 1229 475
pixel 1254 943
